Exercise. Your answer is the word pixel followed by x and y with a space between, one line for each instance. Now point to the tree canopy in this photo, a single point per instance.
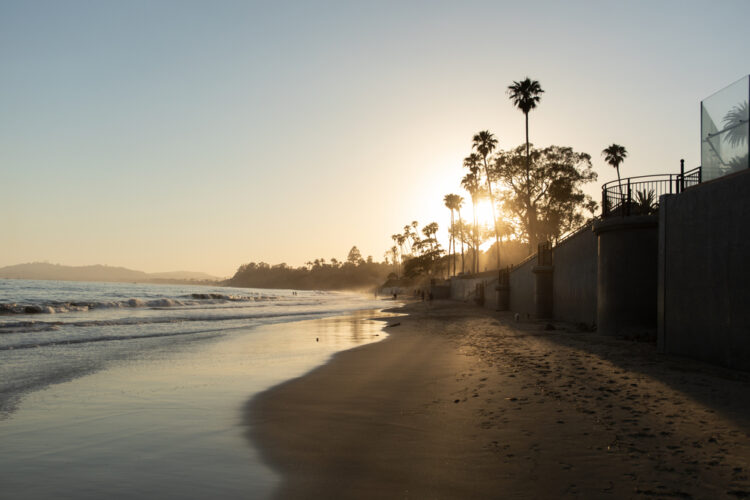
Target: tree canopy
pixel 354 274
pixel 546 200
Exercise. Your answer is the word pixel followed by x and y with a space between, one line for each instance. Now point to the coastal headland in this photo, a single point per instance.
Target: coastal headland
pixel 462 402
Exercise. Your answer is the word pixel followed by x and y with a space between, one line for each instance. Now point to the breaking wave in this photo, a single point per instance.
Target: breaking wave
pixel 194 299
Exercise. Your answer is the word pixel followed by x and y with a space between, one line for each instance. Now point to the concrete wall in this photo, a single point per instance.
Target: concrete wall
pixel 465 288
pixel 627 276
pixel 704 272
pixel 522 288
pixel 574 283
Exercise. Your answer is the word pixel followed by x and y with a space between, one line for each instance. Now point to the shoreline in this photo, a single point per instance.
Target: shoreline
pixel 459 402
pixel 166 422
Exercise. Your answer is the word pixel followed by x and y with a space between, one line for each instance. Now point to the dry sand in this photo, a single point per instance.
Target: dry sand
pixel 460 402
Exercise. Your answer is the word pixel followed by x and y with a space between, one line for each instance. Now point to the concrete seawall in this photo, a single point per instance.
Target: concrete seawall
pixel 682 276
pixel 704 272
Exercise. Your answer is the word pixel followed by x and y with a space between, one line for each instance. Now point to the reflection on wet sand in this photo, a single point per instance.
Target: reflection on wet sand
pixel 353 329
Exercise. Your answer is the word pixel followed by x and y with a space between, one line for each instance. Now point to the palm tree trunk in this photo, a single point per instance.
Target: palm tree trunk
pixel 527 145
pixel 619 185
pixel 453 241
pixel 474 241
pixel 494 217
pixel 530 226
pixel 462 243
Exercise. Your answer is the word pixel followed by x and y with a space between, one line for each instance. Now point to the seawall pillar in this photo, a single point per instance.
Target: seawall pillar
pixel 503 290
pixel 627 264
pixel 543 291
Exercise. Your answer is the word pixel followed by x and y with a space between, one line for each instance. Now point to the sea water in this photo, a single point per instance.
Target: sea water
pixel 134 390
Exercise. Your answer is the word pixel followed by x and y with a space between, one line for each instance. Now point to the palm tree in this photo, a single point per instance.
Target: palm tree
pixel 459 203
pixel 615 154
pixel 394 237
pixel 470 183
pixel 525 96
pixel 485 142
pixel 462 231
pixel 450 203
pixel 401 239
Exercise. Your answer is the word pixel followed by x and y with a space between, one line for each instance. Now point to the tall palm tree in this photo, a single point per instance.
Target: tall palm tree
pixel 452 203
pixel 485 143
pixel 525 96
pixel 615 154
pixel 459 203
pixel 470 183
pixel 408 237
pixel 401 239
pixel 397 239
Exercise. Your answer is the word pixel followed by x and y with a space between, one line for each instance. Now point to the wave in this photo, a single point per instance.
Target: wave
pixel 29 344
pixel 44 326
pixel 49 343
pixel 193 299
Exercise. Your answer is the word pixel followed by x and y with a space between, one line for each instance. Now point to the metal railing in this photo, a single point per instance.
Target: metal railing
pixel 640 195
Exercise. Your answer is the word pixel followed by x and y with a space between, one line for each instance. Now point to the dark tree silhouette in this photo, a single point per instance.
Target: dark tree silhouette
pixel 551 202
pixel 315 275
pixel 525 96
pixel 459 204
pixel 355 256
pixel 615 154
pixel 452 203
pixel 470 183
pixel 485 143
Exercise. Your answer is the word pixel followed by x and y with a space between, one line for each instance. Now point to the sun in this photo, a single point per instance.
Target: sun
pixel 484 214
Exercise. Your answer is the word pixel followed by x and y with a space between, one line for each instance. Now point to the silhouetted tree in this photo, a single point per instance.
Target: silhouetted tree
pixel 459 204
pixel 470 183
pixel 547 200
pixel 315 275
pixel 429 254
pixel 615 154
pixel 525 96
pixel 355 256
pixel 396 238
pixel 485 142
pixel 453 202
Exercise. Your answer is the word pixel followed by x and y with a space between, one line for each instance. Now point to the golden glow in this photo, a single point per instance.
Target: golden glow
pixel 484 214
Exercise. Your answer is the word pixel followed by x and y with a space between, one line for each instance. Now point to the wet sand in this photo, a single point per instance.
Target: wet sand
pixel 460 402
pixel 165 420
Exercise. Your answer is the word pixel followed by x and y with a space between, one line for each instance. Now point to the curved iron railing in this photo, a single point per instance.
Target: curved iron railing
pixel 640 195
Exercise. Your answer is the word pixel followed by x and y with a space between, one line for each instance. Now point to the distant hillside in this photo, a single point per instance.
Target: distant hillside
pixel 44 271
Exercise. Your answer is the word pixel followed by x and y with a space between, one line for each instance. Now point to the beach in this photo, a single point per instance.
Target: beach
pixel 461 402
pixel 104 399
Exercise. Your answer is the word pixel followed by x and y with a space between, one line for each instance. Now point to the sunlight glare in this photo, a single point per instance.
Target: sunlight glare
pixel 484 214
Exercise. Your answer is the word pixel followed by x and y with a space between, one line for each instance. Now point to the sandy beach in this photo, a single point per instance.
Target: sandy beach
pixel 460 402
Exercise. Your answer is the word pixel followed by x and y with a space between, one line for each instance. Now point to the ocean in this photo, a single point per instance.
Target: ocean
pixel 139 390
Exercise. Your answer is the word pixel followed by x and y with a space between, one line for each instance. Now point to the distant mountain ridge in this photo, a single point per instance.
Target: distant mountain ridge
pixel 46 271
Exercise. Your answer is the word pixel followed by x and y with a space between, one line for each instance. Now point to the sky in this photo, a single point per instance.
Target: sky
pixel 201 135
